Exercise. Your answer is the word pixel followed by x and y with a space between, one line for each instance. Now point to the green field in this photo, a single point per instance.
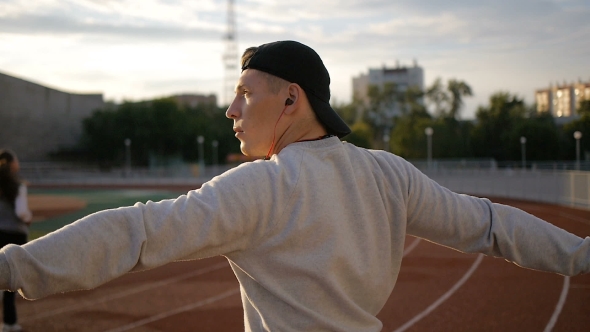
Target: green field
pixel 97 199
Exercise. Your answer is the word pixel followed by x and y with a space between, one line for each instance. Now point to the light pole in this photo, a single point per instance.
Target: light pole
pixel 201 140
pixel 577 136
pixel 523 151
pixel 386 141
pixel 428 131
pixel 127 142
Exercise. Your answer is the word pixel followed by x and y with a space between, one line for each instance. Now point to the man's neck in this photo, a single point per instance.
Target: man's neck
pixel 296 133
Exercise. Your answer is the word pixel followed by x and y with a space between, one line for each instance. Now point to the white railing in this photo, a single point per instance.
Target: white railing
pixel 556 184
pixel 559 187
pixel 49 173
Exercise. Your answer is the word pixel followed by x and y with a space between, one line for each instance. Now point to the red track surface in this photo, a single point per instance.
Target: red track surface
pixel 438 289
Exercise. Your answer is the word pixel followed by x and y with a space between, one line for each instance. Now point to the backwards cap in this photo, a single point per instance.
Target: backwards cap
pixel 298 63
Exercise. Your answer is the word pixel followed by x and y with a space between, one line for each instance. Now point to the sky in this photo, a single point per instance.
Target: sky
pixel 141 49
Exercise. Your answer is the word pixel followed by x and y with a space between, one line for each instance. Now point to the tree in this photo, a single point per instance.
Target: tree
pixel 452 138
pixel 447 102
pixel 407 138
pixel 158 128
pixel 412 102
pixel 437 97
pixel 582 125
pixel 491 134
pixel 384 103
pixel 99 135
pixel 210 122
pixel 458 90
pixel 584 109
pixel 360 135
pixel 542 137
pixel 452 135
pixel 154 127
pixel 348 112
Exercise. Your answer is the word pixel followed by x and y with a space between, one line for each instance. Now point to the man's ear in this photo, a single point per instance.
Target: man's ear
pixel 294 100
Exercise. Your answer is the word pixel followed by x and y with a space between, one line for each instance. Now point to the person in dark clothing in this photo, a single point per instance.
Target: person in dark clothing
pixel 15 217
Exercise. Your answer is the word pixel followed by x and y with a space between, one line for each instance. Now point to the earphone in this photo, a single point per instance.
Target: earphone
pixel 288 102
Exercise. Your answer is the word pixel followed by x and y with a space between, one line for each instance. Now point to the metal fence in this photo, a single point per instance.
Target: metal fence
pixel 52 173
pixel 559 184
pixel 551 182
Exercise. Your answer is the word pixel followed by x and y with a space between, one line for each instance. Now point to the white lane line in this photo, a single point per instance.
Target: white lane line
pixel 176 311
pixel 566 280
pixel 559 306
pixel 411 247
pixel 443 298
pixel 81 304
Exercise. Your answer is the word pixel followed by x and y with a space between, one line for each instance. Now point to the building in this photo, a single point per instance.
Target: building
pixel 194 100
pixel 36 120
pixel 402 77
pixel 562 101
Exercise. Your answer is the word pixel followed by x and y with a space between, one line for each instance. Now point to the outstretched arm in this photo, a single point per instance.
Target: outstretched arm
pixel 476 225
pixel 104 245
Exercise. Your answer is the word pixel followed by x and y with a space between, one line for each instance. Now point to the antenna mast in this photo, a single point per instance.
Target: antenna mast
pixel 230 56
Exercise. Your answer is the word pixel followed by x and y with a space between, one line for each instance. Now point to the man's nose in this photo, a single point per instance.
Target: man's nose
pixel 232 111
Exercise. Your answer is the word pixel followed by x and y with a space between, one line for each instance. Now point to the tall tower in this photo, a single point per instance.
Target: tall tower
pixel 230 56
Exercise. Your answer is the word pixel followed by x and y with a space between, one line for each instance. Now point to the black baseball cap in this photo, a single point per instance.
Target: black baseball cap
pixel 298 63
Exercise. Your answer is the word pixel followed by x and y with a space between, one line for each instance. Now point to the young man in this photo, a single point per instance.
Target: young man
pixel 314 233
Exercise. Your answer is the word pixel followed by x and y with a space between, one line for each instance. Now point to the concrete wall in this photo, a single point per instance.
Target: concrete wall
pixel 570 188
pixel 36 120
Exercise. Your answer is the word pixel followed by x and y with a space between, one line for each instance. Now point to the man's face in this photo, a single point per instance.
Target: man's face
pixel 255 110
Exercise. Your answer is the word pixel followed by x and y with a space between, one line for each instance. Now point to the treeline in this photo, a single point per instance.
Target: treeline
pixel 162 129
pixel 396 120
pixel 158 130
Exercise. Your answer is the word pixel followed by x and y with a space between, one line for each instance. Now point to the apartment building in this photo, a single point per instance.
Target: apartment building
pixel 562 100
pixel 404 77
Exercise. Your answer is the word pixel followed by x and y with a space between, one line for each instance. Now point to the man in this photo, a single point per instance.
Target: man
pixel 314 232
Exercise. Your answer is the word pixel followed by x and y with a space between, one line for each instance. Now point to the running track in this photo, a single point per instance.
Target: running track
pixel 438 289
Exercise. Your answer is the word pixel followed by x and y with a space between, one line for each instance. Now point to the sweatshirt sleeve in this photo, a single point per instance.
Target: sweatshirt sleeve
pixel 21 205
pixel 210 221
pixel 476 225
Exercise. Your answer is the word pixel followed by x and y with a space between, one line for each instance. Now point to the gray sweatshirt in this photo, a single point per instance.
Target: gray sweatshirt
pixel 315 236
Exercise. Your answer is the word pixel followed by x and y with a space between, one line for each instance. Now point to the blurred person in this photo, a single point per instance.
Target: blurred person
pixel 15 217
pixel 314 231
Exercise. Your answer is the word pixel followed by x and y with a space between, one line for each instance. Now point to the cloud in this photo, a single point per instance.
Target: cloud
pixel 52 25
pixel 517 44
pixel 148 20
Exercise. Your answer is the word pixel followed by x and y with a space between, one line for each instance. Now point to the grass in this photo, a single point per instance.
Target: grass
pixel 97 200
